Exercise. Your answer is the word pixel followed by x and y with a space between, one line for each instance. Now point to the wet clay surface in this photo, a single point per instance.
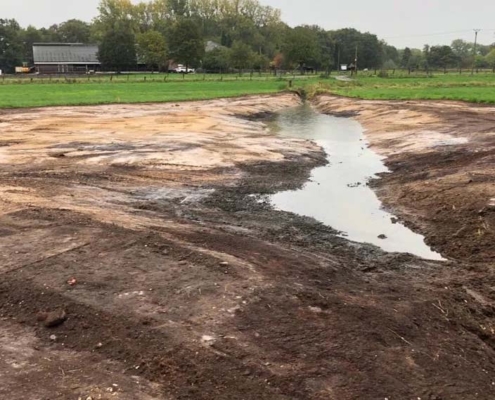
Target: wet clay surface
pixel 143 226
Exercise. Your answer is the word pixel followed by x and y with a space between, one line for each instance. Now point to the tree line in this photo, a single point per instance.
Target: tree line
pixel 220 35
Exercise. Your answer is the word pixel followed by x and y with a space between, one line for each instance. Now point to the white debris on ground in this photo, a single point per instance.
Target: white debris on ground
pixel 207 340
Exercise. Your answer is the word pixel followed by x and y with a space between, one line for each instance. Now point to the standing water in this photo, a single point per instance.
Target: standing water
pixel 337 193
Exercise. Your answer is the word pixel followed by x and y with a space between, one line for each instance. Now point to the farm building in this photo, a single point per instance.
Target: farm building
pixel 65 58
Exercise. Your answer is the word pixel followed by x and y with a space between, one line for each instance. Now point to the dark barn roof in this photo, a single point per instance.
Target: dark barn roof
pixel 65 53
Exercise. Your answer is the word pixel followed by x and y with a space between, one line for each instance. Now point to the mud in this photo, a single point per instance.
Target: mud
pixel 177 279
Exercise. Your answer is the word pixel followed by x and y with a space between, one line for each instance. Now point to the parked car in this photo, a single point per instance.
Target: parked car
pixel 181 69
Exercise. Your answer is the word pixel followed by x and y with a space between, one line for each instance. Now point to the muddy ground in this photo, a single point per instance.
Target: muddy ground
pixel 137 234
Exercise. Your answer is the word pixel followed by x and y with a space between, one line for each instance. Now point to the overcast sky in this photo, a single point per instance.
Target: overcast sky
pixel 402 23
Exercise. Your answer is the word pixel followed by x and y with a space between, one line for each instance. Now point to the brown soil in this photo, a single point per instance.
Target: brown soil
pixel 140 231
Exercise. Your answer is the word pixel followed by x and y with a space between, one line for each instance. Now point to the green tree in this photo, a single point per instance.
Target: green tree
pixel 463 51
pixel 241 20
pixel 301 46
pixel 241 56
pixel 323 59
pixel 217 60
pixel 490 59
pixel 74 31
pixel 480 62
pixel 390 53
pixel 178 8
pixel 115 15
pixel 370 49
pixel 260 62
pixel 30 36
pixel 416 59
pixel 406 58
pixel 483 50
pixel 117 50
pixel 441 57
pixel 11 48
pixel 186 43
pixel 425 57
pixel 389 64
pixel 152 49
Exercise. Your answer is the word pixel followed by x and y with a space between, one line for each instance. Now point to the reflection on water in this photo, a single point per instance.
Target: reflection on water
pixel 337 194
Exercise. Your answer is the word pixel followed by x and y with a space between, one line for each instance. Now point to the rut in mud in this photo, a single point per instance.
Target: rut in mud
pixel 149 226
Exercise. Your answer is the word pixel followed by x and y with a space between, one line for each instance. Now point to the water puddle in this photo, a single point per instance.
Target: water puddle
pixel 337 193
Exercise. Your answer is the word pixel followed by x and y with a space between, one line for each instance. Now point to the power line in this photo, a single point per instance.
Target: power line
pixel 438 33
pixel 429 34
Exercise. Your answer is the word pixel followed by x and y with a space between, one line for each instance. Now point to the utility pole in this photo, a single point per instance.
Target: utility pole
pixel 475 45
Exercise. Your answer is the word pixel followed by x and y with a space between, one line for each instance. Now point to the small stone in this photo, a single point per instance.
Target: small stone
pixel 55 318
pixel 207 340
pixel 224 263
pixel 53 338
pixel 41 316
pixel 99 345
pixel 382 236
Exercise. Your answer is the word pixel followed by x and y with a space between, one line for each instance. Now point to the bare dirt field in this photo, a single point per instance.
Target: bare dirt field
pixel 138 260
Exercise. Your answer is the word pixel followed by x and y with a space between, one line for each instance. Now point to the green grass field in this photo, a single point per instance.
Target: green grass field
pixel 36 95
pixel 479 88
pixel 38 92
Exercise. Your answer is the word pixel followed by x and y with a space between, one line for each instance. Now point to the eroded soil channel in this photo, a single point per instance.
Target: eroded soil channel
pixel 138 260
pixel 338 193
